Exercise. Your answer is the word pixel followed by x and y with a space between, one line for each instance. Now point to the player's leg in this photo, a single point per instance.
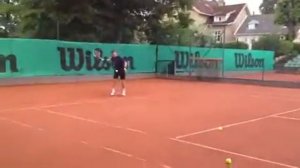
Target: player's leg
pixel 113 91
pixel 123 77
pixel 123 87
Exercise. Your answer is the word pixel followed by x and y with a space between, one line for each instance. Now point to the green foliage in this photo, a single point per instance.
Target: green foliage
pixel 273 43
pixel 95 20
pixel 173 34
pixel 232 45
pixel 203 40
pixel 236 45
pixel 8 17
pixel 288 14
pixel 268 6
pixel 285 48
pixel 269 42
pixel 297 47
pixel 294 53
pixel 173 27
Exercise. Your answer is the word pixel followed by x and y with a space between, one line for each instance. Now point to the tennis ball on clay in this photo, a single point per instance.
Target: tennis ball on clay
pixel 228 161
pixel 220 128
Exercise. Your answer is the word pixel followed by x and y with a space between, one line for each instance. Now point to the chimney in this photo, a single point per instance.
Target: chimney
pixel 221 2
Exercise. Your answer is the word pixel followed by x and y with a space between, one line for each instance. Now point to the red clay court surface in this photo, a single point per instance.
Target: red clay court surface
pixel 267 76
pixel 160 124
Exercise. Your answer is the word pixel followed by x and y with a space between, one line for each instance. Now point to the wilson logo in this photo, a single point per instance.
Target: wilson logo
pixel 182 58
pixel 247 61
pixel 10 61
pixel 75 59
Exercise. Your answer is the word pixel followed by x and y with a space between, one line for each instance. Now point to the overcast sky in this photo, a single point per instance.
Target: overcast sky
pixel 253 5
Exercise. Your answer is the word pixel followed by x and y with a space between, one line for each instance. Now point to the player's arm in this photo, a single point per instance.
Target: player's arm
pixel 125 64
pixel 103 59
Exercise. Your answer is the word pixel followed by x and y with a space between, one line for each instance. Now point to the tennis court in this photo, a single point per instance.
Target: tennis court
pixel 160 124
pixel 265 76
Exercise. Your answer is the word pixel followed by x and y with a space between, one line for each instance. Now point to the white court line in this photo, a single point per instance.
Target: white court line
pixel 42 106
pixel 21 124
pixel 54 105
pixel 95 101
pixel 126 155
pixel 84 142
pixel 41 129
pixel 287 118
pixel 165 166
pixel 274 97
pixel 135 130
pixel 234 153
pixel 62 104
pixel 238 123
pixel 16 109
pixel 91 121
pixel 16 122
pixel 118 152
pixel 140 159
pixel 282 96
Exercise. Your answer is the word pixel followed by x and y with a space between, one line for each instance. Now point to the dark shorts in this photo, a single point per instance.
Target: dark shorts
pixel 120 74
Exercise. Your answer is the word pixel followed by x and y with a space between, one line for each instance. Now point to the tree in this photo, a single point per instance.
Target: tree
pixel 8 17
pixel 288 14
pixel 169 22
pixel 268 6
pixel 95 20
pixel 273 43
pixel 268 42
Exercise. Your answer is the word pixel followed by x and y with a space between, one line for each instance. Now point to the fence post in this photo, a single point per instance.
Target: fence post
pixel 263 72
pixel 156 58
pixel 223 60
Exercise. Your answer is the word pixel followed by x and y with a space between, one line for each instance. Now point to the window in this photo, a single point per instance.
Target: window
pixel 218 36
pixel 219 18
pixel 282 37
pixel 253 24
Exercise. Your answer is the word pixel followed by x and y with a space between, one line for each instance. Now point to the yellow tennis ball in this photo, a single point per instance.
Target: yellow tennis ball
pixel 220 128
pixel 228 161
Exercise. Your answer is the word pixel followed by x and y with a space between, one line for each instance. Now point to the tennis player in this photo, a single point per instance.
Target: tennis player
pixel 119 65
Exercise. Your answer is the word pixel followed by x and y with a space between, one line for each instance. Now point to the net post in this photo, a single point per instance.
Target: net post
pixel 167 70
pixel 156 58
pixel 263 72
pixel 190 52
pixel 192 65
pixel 223 67
pixel 189 65
pixel 175 68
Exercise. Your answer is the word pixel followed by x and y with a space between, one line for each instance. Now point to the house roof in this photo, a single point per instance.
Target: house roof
pixel 205 7
pixel 211 8
pixel 223 10
pixel 265 25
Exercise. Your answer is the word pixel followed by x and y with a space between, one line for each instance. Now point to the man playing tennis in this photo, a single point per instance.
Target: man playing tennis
pixel 119 65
